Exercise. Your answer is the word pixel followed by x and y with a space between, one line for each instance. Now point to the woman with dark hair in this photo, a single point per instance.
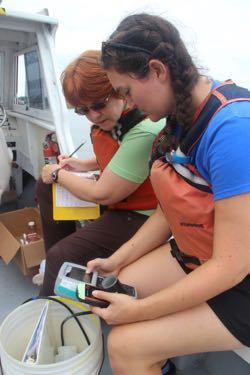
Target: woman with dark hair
pixel 194 290
pixel 122 138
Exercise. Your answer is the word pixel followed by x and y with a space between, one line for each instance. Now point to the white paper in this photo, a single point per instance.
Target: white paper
pixel 32 350
pixel 65 199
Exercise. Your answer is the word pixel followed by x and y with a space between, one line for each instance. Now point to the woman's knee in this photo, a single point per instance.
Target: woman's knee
pixel 118 349
pixel 123 345
pixel 43 190
pixel 126 352
pixel 54 255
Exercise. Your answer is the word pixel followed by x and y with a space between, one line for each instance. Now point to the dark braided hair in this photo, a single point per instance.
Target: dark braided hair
pixel 142 37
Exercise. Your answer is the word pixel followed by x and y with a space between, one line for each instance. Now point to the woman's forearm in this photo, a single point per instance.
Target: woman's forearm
pixel 108 189
pixel 192 290
pixel 89 164
pixel 82 187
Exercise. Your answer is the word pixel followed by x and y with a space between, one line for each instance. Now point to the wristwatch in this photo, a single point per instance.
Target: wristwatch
pixel 54 174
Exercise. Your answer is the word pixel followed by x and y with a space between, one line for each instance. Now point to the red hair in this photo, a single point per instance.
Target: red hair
pixel 84 80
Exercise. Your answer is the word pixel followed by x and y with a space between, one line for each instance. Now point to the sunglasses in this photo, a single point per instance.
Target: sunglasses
pixel 98 106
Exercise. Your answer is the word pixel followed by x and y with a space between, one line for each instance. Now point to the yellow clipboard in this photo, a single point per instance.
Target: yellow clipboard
pixel 73 213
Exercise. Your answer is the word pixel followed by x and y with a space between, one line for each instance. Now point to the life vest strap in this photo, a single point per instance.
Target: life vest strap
pixel 182 257
pixel 221 95
pixel 127 121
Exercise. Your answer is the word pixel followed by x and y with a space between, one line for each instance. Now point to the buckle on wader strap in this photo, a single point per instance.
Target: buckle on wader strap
pixel 182 257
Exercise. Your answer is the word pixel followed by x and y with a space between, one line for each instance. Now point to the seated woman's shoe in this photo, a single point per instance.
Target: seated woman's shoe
pixel 168 368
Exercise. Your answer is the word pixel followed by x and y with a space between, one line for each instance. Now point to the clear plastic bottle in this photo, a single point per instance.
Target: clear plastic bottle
pixel 32 234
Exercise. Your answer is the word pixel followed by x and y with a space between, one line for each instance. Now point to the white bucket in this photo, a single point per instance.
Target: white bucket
pixel 18 326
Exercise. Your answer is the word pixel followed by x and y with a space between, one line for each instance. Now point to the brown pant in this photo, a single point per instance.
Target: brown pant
pixel 98 238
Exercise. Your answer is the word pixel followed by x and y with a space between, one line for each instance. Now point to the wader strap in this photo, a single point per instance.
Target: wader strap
pixel 182 257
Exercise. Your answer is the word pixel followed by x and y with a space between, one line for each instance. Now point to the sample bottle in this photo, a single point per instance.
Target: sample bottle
pixel 32 234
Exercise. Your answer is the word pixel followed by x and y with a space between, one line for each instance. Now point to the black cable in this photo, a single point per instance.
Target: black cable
pixel 1 367
pixel 73 316
pixel 79 314
pixel 68 308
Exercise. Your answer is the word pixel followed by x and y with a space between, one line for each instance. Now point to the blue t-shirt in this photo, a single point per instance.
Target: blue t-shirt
pixel 222 156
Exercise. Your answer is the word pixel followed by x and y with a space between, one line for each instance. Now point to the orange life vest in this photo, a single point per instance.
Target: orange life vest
pixel 185 197
pixel 105 147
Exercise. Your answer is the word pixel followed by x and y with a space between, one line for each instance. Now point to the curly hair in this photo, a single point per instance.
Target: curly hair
pixel 84 80
pixel 142 37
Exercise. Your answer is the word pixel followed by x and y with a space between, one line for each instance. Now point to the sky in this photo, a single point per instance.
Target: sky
pixel 216 32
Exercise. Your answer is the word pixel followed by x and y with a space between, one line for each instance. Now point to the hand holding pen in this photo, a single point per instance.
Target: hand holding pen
pixel 66 162
pixel 69 163
pixel 83 143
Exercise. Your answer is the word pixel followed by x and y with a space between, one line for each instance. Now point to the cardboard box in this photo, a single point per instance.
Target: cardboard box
pixel 12 226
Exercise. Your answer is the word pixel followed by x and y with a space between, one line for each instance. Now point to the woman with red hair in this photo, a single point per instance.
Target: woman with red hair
pixel 122 138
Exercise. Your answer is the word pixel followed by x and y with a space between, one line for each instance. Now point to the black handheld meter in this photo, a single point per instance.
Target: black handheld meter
pixel 73 282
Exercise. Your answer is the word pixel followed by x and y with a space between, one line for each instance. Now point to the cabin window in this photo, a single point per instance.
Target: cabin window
pixel 21 82
pixel 30 93
pixel 1 76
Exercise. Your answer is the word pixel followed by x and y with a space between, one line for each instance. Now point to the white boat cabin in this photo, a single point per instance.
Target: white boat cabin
pixel 31 102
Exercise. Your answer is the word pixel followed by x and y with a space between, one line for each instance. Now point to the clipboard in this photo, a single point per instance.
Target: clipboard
pixel 73 213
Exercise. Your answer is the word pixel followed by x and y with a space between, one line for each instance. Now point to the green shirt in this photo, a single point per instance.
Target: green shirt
pixel 131 159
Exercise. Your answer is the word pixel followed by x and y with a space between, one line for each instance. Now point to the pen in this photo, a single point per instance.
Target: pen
pixel 83 143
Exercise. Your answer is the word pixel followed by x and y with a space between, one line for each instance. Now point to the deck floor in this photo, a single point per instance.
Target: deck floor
pixel 16 288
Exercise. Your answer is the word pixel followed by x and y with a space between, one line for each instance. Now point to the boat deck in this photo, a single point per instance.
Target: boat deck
pixel 16 288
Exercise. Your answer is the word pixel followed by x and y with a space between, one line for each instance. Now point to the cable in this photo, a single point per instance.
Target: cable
pixel 73 316
pixel 1 367
pixel 68 308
